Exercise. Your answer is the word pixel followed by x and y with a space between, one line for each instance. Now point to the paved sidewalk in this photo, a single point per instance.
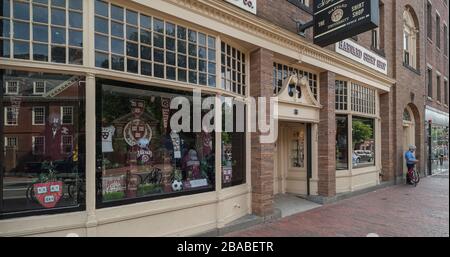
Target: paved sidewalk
pixel 395 211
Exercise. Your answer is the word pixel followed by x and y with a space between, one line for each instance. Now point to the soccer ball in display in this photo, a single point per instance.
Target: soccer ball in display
pixel 177 185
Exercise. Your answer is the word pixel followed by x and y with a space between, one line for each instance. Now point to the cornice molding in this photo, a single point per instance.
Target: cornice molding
pixel 249 23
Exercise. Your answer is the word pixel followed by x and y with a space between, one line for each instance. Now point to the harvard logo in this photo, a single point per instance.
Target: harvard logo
pixel 48 194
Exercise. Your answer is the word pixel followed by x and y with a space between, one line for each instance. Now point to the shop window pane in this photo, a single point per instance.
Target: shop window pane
pixel 101 8
pixel 181 46
pixel 117 63
pixel 117 46
pixel 192 63
pixel 158 40
pixel 146 53
pixel 170 29
pixel 211 43
pixel 192 36
pixel 45 175
pixel 158 25
pixel 75 56
pixel 5 48
pixel 158 55
pixel 58 54
pixel 192 50
pixel 132 65
pixel 58 35
pixel 202 52
pixel 146 37
pixel 22 30
pixel 170 44
pixel 60 3
pixel 212 55
pixel 40 52
pixel 76 4
pixel 212 68
pixel 181 32
pixel 116 12
pixel 40 33
pixel 193 78
pixel 159 70
pixel 132 33
pixel 363 142
pixel 101 25
pixel 182 76
pixel 341 142
pixel 5 8
pixel 212 80
pixel 101 43
pixel 132 49
pixel 131 17
pixel 233 146
pixel 164 164
pixel 75 20
pixel 101 60
pixel 182 61
pixel 41 1
pixel 75 38
pixel 202 65
pixel 146 22
pixel 201 39
pixel 146 68
pixel 40 13
pixel 171 73
pixel 21 50
pixel 21 10
pixel 202 79
pixel 4 27
pixel 58 17
pixel 170 58
pixel 117 29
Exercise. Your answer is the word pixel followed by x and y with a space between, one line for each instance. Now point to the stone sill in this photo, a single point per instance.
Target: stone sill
pixel 411 69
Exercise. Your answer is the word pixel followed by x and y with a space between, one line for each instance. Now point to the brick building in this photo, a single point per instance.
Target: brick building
pixel 342 123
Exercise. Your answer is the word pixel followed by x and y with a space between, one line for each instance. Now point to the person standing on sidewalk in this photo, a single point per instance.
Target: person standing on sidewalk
pixel 411 161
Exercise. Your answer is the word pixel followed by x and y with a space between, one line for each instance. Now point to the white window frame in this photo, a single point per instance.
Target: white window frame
pixel 7 144
pixel 34 115
pixel 34 88
pixel 63 145
pixel 8 92
pixel 16 123
pixel 33 144
pixel 62 115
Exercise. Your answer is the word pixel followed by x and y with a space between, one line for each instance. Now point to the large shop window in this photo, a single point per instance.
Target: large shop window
pixel 41 30
pixel 139 156
pixel 282 72
pixel 126 40
pixel 42 161
pixel 233 145
pixel 363 142
pixel 359 109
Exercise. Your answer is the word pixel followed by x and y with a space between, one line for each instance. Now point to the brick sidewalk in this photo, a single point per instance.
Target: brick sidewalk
pixel 395 211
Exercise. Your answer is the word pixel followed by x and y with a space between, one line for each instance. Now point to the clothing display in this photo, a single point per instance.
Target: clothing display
pixel 107 135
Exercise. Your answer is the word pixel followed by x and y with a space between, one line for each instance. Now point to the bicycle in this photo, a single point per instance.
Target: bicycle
pixel 414 176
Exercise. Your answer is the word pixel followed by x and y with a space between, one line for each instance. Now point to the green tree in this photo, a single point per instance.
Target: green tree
pixel 361 132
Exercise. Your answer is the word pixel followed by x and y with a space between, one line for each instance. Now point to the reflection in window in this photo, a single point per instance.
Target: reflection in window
pixel 233 146
pixel 140 156
pixel 341 142
pixel 282 72
pixel 363 142
pixel 37 174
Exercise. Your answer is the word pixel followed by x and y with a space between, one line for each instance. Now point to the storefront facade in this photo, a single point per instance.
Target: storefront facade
pixel 87 89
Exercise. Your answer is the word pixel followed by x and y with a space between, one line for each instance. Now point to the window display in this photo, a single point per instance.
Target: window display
pixel 233 150
pixel 363 142
pixel 140 157
pixel 43 167
pixel 341 142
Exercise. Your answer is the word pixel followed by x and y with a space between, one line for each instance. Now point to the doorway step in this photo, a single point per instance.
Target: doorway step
pixel 290 204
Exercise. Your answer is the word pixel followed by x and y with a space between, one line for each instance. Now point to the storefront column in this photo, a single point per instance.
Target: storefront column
pixel 91 222
pixel 261 65
pixel 327 136
pixel 387 137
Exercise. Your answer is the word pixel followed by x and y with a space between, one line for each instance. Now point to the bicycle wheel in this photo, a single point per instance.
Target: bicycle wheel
pixel 415 177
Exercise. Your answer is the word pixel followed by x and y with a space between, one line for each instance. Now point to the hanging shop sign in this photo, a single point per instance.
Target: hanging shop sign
pixel 247 5
pixel 352 50
pixel 336 20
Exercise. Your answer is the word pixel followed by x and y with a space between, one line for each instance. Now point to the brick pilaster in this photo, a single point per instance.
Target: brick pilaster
pixel 261 154
pixel 327 136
